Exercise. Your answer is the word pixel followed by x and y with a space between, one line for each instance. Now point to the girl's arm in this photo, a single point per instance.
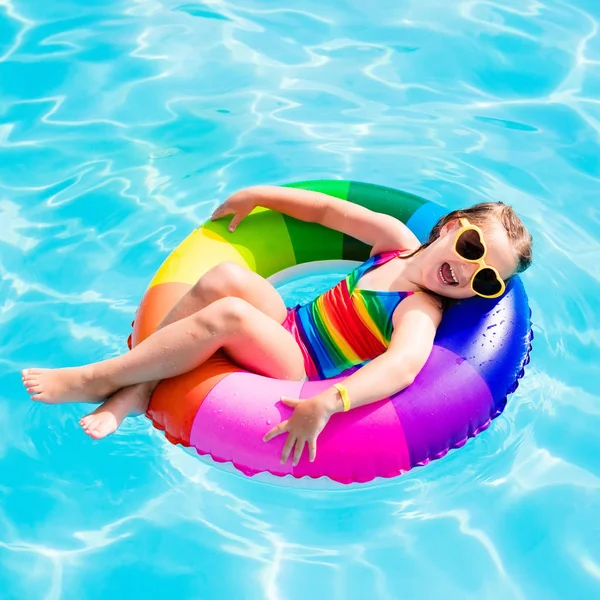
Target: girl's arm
pixel 415 323
pixel 375 229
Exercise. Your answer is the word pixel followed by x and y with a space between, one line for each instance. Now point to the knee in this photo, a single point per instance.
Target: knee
pixel 222 280
pixel 227 315
pixel 229 271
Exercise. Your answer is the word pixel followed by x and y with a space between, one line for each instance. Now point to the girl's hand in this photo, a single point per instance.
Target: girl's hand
pixel 304 426
pixel 240 205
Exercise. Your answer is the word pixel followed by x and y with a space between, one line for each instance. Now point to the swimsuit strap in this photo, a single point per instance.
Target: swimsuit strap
pixel 371 263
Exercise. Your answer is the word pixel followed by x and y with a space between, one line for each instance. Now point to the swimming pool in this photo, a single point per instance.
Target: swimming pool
pixel 122 124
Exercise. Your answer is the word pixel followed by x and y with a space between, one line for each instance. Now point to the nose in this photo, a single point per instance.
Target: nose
pixel 467 270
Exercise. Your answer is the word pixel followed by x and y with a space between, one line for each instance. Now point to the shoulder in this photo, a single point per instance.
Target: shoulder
pixel 420 305
pixel 415 324
pixel 399 239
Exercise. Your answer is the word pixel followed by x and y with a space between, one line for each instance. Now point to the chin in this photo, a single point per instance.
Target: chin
pixel 448 291
pixel 453 294
pixel 445 290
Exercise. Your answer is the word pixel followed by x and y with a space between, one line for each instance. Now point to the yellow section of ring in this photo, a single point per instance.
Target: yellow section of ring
pixel 200 251
pixel 261 242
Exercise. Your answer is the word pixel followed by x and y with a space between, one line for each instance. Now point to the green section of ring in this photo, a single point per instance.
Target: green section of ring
pixel 263 234
pixel 270 241
pixel 337 189
pixel 395 203
pixel 311 241
pixel 314 242
pixel 378 198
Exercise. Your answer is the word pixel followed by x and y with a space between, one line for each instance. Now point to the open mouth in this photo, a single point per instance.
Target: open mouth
pixel 447 276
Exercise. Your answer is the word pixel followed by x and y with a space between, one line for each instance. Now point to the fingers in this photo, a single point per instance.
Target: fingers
pixel 281 428
pixel 300 443
pixel 312 450
pixel 291 402
pixel 296 440
pixel 220 211
pixel 289 443
pixel 235 221
pixel 223 212
pixel 287 448
pixel 298 451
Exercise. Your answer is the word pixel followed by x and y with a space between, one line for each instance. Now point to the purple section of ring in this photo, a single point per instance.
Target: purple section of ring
pixel 447 403
pixel 493 336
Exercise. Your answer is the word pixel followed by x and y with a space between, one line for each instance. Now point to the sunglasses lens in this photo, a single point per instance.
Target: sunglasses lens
pixel 486 283
pixel 469 245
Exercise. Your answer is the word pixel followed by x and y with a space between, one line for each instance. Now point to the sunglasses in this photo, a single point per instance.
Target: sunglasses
pixel 470 246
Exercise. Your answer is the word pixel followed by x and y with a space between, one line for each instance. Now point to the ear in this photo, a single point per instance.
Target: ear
pixel 451 225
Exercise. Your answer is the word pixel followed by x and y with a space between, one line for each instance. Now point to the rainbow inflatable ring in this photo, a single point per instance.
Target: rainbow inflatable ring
pixel 223 411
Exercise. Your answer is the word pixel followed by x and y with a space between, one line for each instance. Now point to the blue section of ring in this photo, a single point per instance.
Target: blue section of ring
pixel 493 335
pixel 424 218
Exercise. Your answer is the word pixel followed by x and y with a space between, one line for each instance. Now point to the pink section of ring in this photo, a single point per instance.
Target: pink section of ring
pixel 357 446
pixel 235 416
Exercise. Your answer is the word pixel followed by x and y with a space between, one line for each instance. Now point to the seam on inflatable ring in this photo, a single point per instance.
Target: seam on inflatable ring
pixel 266 476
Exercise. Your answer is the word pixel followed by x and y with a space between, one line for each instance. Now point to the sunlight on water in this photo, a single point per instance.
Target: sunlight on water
pixel 124 123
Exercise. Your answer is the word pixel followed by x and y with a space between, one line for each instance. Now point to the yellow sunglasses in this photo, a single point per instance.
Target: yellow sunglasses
pixel 470 246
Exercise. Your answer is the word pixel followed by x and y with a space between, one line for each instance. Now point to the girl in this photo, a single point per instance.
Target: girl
pixel 405 285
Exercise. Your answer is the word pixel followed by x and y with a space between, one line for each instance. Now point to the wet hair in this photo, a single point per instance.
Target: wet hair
pixel 482 215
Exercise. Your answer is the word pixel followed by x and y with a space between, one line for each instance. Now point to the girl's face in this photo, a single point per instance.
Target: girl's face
pixel 447 274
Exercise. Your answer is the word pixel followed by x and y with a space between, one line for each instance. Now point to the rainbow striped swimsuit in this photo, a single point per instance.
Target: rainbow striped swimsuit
pixel 345 326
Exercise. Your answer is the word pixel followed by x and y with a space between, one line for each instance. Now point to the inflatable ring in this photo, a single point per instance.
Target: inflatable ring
pixel 223 411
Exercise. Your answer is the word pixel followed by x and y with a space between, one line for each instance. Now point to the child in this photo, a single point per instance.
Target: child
pixel 385 312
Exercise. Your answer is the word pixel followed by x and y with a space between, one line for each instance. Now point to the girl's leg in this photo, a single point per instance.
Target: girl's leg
pixel 250 337
pixel 226 279
pixel 229 279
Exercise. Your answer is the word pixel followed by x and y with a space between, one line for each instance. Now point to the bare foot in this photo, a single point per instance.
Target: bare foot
pixel 109 415
pixel 56 386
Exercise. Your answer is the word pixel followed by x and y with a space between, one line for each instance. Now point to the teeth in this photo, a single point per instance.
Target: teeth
pixel 454 278
pixel 442 276
pixel 453 275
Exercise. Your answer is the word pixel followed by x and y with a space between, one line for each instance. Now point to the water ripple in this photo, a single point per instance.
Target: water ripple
pixel 123 123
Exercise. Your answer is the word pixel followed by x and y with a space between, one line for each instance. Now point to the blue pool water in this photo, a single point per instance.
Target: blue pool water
pixel 123 123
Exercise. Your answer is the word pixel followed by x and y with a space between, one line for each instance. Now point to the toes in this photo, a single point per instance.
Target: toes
pixel 40 397
pixel 27 373
pixel 99 424
pixel 92 426
pixel 97 430
pixel 88 431
pixel 87 422
pixel 95 434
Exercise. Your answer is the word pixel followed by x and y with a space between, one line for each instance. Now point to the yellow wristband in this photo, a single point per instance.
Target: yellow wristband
pixel 344 394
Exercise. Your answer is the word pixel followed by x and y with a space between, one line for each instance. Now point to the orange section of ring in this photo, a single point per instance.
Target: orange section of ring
pixel 176 401
pixel 154 307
